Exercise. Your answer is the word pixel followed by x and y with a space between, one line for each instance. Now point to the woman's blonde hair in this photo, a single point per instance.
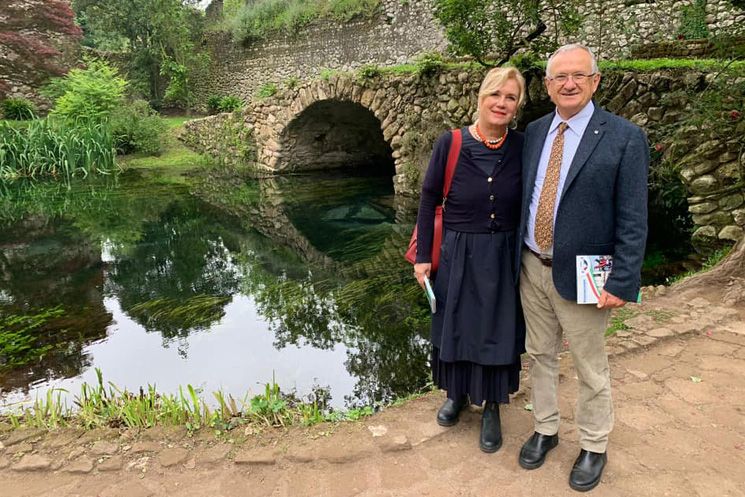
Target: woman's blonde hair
pixel 497 77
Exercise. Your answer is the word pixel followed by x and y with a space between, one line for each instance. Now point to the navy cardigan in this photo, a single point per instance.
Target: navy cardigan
pixel 477 202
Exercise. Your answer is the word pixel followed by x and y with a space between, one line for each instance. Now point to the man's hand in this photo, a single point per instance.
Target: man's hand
pixel 609 301
pixel 420 271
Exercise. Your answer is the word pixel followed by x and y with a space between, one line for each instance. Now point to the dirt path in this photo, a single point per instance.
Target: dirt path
pixel 680 430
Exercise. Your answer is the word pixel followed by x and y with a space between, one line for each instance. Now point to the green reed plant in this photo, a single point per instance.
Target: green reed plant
pixel 50 148
pixel 19 109
pixel 106 405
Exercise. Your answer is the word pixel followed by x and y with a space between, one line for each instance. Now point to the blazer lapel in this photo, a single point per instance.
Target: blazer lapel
pixel 590 139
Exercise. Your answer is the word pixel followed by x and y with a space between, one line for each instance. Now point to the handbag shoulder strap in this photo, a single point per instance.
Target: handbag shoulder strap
pixel 453 154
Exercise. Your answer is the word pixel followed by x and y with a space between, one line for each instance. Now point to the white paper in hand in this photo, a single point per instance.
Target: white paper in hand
pixel 430 295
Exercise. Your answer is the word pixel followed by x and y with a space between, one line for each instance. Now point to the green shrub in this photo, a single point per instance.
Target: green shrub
pixel 213 104
pixel 292 82
pixel 18 109
pixel 266 90
pixel 230 103
pixel 429 64
pixel 46 147
pixel 369 72
pixel 137 128
pixel 693 21
pixel 87 94
pixel 327 73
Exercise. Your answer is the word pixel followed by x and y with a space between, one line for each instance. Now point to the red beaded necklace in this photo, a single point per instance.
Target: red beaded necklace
pixel 491 144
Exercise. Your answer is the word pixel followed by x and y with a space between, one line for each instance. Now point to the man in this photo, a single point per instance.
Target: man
pixel 584 193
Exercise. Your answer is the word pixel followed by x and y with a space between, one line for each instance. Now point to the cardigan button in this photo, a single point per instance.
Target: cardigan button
pixel 492 215
pixel 491 197
pixel 489 179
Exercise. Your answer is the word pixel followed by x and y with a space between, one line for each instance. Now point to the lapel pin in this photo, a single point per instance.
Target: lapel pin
pixel 596 132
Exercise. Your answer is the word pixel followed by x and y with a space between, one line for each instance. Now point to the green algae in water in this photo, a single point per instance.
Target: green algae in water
pixel 21 336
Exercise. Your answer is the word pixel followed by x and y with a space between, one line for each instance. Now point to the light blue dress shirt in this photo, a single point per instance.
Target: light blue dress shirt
pixel 572 136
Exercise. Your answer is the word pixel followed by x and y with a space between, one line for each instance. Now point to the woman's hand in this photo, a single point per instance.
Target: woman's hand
pixel 421 270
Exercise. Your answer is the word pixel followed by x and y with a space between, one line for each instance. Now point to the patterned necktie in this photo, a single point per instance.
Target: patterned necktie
pixel 544 217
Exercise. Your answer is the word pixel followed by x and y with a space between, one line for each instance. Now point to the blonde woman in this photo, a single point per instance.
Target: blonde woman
pixel 478 330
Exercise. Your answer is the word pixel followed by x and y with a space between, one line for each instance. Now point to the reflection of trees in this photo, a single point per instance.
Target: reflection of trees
pixel 179 276
pixel 48 264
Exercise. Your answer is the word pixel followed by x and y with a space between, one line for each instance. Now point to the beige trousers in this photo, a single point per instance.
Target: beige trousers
pixel 547 314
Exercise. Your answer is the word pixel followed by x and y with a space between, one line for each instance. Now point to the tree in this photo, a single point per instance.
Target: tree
pixel 33 41
pixel 159 39
pixel 492 31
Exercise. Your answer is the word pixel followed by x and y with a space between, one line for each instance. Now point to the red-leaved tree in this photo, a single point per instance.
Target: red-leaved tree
pixel 38 39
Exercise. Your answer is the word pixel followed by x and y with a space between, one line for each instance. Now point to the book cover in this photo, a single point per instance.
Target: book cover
pixel 430 295
pixel 592 273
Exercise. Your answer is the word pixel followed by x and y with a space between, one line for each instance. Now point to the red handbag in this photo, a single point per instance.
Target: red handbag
pixel 437 239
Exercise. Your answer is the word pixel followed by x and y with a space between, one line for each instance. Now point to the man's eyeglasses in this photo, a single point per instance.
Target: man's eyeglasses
pixel 577 77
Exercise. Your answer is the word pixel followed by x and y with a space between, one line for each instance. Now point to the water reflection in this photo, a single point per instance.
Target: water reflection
pixel 297 277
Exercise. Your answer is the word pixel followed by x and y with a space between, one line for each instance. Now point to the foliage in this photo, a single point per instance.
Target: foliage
pixel 266 90
pixel 30 40
pixel 158 41
pixel 292 82
pixel 648 65
pixel 429 64
pixel 106 405
pixel 137 128
pixel 229 103
pixel 326 73
pixel 258 19
pixel 19 336
pixel 618 320
pixel 492 31
pixel 18 109
pixel 48 148
pixel 693 21
pixel 368 72
pixel 88 94
pixel 712 260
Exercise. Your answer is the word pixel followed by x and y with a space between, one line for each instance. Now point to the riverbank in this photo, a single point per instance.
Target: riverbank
pixel 679 431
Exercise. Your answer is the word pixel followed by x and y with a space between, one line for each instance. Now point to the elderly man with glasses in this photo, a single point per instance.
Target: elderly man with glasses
pixel 584 193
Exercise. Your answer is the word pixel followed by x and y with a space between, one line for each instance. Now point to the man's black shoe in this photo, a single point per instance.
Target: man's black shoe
pixel 587 470
pixel 448 413
pixel 491 429
pixel 535 449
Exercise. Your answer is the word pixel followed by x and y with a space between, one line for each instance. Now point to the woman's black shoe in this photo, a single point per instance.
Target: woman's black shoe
pixel 535 449
pixel 587 470
pixel 448 413
pixel 491 429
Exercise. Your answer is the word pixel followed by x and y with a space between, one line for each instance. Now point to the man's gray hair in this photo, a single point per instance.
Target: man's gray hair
pixel 569 48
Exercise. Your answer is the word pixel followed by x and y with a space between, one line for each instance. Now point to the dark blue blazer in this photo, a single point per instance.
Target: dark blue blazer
pixel 603 205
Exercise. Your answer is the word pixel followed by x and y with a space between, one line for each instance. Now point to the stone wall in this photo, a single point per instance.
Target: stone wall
pixel 396 34
pixel 403 29
pixel 412 110
pixel 38 39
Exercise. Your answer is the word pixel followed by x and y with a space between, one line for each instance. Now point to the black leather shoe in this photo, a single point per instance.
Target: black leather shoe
pixel 534 451
pixel 587 470
pixel 491 429
pixel 448 413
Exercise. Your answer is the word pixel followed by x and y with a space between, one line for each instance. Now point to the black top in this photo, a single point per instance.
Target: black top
pixel 484 195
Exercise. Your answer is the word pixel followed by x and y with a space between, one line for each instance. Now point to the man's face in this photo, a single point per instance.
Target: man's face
pixel 571 83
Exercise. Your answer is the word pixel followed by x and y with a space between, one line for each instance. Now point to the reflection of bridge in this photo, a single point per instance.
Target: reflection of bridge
pixel 270 216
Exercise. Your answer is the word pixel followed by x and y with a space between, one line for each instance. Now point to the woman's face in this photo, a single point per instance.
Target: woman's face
pixel 499 107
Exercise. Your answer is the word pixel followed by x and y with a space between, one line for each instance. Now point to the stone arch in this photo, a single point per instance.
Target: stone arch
pixel 320 109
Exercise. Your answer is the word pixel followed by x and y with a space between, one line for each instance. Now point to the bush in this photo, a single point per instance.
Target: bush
pixel 213 104
pixel 266 90
pixel 88 94
pixel 429 64
pixel 225 103
pixel 18 109
pixel 369 72
pixel 137 128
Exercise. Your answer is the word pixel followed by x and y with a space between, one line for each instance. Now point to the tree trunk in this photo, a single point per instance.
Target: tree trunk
pixel 728 276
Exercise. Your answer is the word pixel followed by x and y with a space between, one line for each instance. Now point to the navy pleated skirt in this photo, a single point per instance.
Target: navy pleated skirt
pixel 478 331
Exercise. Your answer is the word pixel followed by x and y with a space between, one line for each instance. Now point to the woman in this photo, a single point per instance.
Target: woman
pixel 477 331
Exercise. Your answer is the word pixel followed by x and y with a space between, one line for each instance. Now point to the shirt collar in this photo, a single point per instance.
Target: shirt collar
pixel 577 122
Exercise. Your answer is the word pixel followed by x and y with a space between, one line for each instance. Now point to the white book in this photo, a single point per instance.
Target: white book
pixel 592 273
pixel 430 295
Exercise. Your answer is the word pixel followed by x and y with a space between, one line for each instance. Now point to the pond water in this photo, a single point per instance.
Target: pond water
pixel 216 282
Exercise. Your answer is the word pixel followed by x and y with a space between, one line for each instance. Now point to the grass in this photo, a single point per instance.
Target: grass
pixel 175 158
pixel 647 65
pixel 106 405
pixel 711 261
pixel 618 320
